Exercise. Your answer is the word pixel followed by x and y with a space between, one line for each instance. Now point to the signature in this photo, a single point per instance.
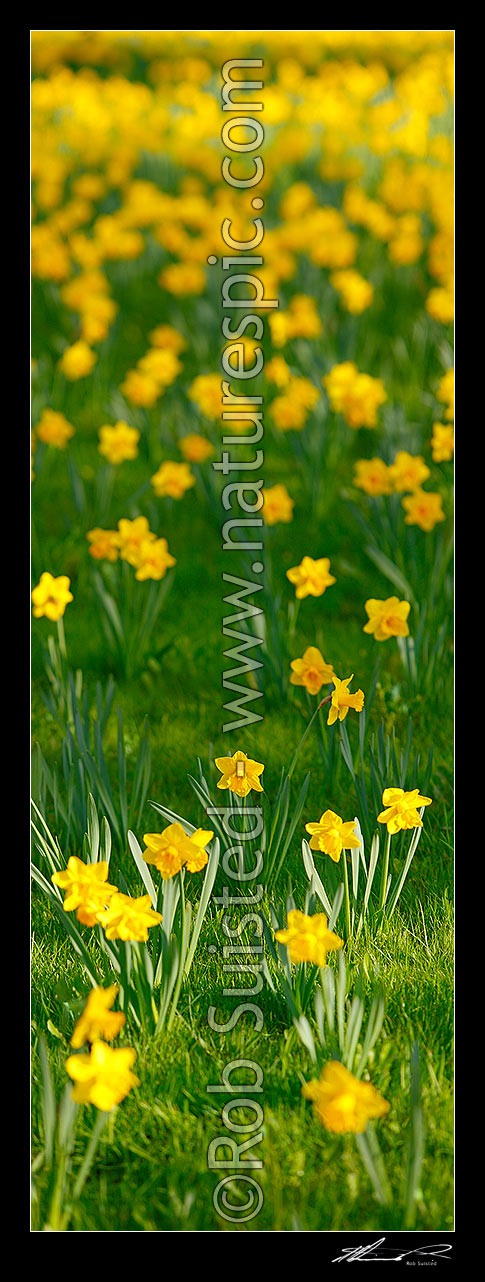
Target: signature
pixel 375 1251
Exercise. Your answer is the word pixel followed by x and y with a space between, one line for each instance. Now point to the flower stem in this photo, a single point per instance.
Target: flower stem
pixel 348 928
pixel 385 872
pixel 305 733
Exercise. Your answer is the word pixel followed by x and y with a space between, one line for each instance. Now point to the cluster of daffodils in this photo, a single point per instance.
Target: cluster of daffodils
pixel 405 476
pixel 88 294
pixel 290 410
pixel 103 1076
pixel 95 900
pixel 156 370
pixel 443 439
pixel 355 395
pixel 312 672
pixel 134 543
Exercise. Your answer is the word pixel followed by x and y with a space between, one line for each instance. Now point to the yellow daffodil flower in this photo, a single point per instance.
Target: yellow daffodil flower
pixel 103 1077
pixel 127 918
pixel 342 1102
pixel 402 809
pixel 311 670
pixel 98 1020
pixel 331 835
pixel 424 509
pixel 311 578
pixel 51 596
pixel 308 939
pixel 119 442
pixel 277 505
pixel 239 773
pixel 387 618
pixel 342 700
pixel 87 888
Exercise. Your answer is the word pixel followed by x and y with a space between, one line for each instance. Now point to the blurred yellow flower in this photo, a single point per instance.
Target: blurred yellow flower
pixel 446 392
pixel 54 429
pixel 311 578
pixel 402 809
pixel 97 1019
pixel 342 1102
pixel 104 544
pixel 131 536
pixel 195 448
pixel 206 391
pixel 331 835
pixel 308 939
pixel 387 618
pixel 356 293
pixel 172 479
pixel 103 1077
pixel 119 442
pixel 342 700
pixel 51 596
pixel 141 388
pixel 167 337
pixel 357 396
pixel 77 360
pixel 443 442
pixel 153 559
pixel 440 305
pixel 129 919
pixel 183 279
pixel 311 670
pixel 239 773
pixel 408 471
pixel 161 363
pixel 277 505
pixel 423 509
pixel 373 476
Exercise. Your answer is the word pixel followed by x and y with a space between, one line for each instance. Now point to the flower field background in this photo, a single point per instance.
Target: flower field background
pixel 136 635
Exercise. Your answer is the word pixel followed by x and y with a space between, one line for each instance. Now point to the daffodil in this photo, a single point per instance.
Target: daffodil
pixel 127 918
pixel 311 670
pixel 308 938
pixel 408 471
pixel 104 544
pixel 153 559
pixel 239 774
pixel 342 700
pixel 87 888
pixel 119 442
pixel 342 1102
pixel 196 448
pixel 54 429
pixel 103 1077
pixel 172 479
pixel 424 509
pixel 51 596
pixel 277 505
pixel 331 835
pixel 442 442
pixel 97 1019
pixel 387 618
pixel 78 360
pixel 401 809
pixel 373 476
pixel 171 849
pixel 311 578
